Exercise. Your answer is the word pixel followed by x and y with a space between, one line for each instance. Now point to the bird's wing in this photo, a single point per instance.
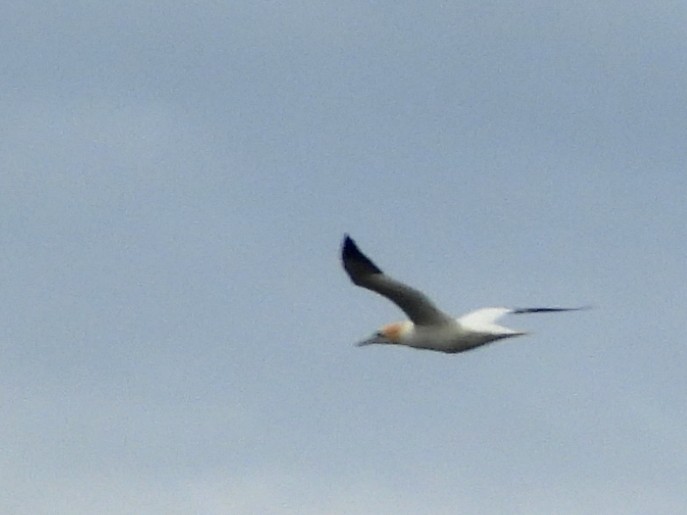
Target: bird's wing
pixel 363 272
pixel 484 319
pixel 521 311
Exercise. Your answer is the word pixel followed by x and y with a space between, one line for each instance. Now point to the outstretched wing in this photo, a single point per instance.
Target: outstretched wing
pixel 522 311
pixel 484 319
pixel 363 272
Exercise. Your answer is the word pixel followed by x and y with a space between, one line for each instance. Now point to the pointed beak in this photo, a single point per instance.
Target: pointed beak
pixel 372 340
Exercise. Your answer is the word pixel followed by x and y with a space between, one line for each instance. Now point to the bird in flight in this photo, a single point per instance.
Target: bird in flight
pixel 429 327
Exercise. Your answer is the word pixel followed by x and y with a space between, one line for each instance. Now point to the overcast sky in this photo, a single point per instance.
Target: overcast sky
pixel 176 331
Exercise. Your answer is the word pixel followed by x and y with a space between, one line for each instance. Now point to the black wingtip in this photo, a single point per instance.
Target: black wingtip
pixel 354 260
pixel 521 311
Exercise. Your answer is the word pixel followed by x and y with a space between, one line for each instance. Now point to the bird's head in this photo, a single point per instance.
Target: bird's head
pixel 390 334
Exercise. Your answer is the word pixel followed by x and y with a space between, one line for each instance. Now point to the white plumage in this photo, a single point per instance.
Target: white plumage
pixel 428 327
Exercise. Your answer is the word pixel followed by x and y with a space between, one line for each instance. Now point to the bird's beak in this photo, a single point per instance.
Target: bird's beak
pixel 372 340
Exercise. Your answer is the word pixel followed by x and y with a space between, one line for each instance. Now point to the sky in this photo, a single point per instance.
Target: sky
pixel 177 333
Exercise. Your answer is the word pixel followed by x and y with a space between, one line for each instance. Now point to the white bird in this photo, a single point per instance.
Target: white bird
pixel 428 327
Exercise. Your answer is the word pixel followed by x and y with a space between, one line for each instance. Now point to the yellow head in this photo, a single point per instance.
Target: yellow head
pixel 390 333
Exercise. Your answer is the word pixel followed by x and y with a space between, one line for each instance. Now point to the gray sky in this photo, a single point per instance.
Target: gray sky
pixel 177 332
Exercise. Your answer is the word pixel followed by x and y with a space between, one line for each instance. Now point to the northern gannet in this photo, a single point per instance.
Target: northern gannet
pixel 428 327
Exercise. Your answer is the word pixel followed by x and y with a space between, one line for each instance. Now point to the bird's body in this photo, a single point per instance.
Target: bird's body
pixel 453 336
pixel 428 328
